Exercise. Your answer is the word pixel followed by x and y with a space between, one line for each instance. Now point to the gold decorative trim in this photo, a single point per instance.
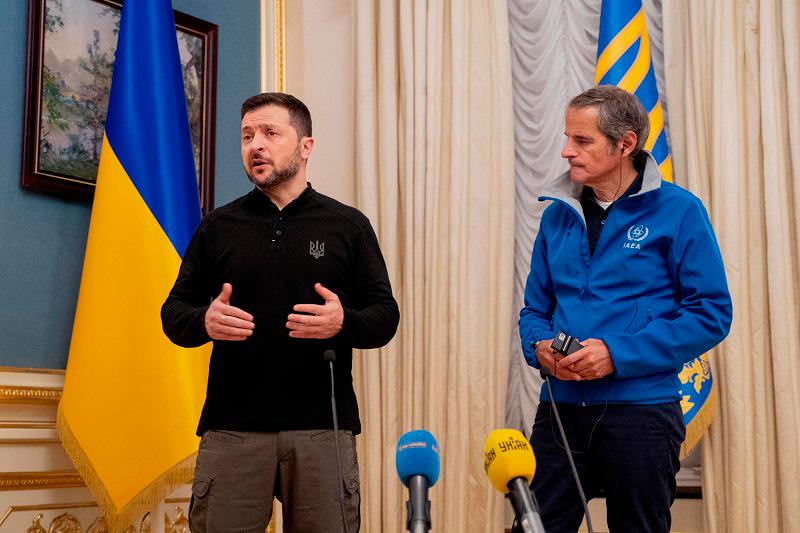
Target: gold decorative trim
pixel 44 507
pixel 36 395
pixel 26 424
pixel 31 370
pixel 280 45
pixel 40 480
pixel 29 441
pixel 179 525
pixel 177 500
pixel 64 522
pixel 67 523
pixel 272 44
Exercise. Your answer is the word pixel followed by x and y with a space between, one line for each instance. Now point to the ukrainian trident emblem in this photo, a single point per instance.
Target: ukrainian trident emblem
pixel 317 249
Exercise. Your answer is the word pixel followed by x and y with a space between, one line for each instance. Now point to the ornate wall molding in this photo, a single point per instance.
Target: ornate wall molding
pixel 68 523
pixel 26 424
pixel 41 386
pixel 273 45
pixel 23 394
pixel 280 45
pixel 30 370
pixel 42 507
pixel 178 525
pixel 40 480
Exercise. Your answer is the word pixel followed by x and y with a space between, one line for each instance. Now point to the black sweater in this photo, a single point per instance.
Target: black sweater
pixel 272 258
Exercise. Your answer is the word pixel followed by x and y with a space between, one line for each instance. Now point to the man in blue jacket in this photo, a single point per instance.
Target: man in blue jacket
pixel 628 264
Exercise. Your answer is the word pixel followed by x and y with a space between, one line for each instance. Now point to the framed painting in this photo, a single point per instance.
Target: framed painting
pixel 71 45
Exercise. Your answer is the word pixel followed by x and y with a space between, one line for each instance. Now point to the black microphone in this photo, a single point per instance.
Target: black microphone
pixel 330 356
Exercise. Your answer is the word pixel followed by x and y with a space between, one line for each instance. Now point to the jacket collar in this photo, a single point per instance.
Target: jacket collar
pixel 563 189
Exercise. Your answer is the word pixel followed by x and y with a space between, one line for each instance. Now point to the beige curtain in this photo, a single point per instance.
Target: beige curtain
pixel 434 156
pixel 733 80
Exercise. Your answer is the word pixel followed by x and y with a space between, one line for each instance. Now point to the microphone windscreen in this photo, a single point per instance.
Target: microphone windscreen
pixel 329 355
pixel 508 455
pixel 418 455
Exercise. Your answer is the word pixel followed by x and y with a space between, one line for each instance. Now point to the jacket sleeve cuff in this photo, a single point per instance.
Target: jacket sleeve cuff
pixel 348 325
pixel 618 359
pixel 532 360
pixel 199 326
pixel 528 346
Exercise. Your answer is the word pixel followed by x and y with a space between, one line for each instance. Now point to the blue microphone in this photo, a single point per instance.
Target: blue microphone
pixel 418 468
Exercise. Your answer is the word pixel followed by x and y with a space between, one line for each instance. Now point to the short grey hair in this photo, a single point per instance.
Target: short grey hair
pixel 618 112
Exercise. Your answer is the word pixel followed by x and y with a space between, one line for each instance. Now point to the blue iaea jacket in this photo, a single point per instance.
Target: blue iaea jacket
pixel 654 291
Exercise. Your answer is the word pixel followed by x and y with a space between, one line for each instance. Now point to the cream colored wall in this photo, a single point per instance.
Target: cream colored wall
pixel 320 70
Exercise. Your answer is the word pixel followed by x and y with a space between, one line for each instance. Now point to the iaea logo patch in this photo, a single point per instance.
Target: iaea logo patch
pixel 638 232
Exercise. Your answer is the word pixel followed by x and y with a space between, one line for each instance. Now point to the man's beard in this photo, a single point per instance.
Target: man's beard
pixel 278 176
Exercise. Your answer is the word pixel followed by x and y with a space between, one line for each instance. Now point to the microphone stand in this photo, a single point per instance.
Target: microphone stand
pixel 330 356
pixel 524 508
pixel 418 505
pixel 545 373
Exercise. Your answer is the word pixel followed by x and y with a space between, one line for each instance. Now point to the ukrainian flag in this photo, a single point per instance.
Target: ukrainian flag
pixel 623 59
pixel 131 398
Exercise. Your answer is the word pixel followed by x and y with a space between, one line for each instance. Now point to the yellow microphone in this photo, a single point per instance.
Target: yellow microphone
pixel 510 464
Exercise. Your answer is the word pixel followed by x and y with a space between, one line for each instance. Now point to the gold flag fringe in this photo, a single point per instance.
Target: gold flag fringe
pixel 119 519
pixel 700 422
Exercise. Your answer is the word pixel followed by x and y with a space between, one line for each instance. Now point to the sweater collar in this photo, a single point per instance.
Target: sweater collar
pixel 261 201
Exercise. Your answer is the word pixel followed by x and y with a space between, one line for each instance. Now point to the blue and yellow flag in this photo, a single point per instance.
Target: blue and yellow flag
pixel 131 398
pixel 623 59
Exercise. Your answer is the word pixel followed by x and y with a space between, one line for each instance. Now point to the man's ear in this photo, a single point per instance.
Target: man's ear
pixel 628 143
pixel 306 147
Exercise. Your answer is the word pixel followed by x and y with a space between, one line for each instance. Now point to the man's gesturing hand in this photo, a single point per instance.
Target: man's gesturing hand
pixel 227 323
pixel 549 359
pixel 319 321
pixel 593 361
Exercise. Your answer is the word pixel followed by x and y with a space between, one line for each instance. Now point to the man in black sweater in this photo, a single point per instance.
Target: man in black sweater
pixel 274 279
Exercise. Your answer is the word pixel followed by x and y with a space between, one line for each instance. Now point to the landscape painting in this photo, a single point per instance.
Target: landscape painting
pixel 73 62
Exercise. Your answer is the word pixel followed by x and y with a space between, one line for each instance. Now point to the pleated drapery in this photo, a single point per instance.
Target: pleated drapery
pixel 434 172
pixel 733 72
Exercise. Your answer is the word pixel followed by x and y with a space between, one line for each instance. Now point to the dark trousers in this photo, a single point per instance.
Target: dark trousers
pixel 628 453
pixel 238 473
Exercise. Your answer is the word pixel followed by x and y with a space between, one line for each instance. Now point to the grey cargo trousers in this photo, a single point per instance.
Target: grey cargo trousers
pixel 237 474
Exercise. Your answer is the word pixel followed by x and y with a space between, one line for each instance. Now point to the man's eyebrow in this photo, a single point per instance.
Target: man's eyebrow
pixel 265 125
